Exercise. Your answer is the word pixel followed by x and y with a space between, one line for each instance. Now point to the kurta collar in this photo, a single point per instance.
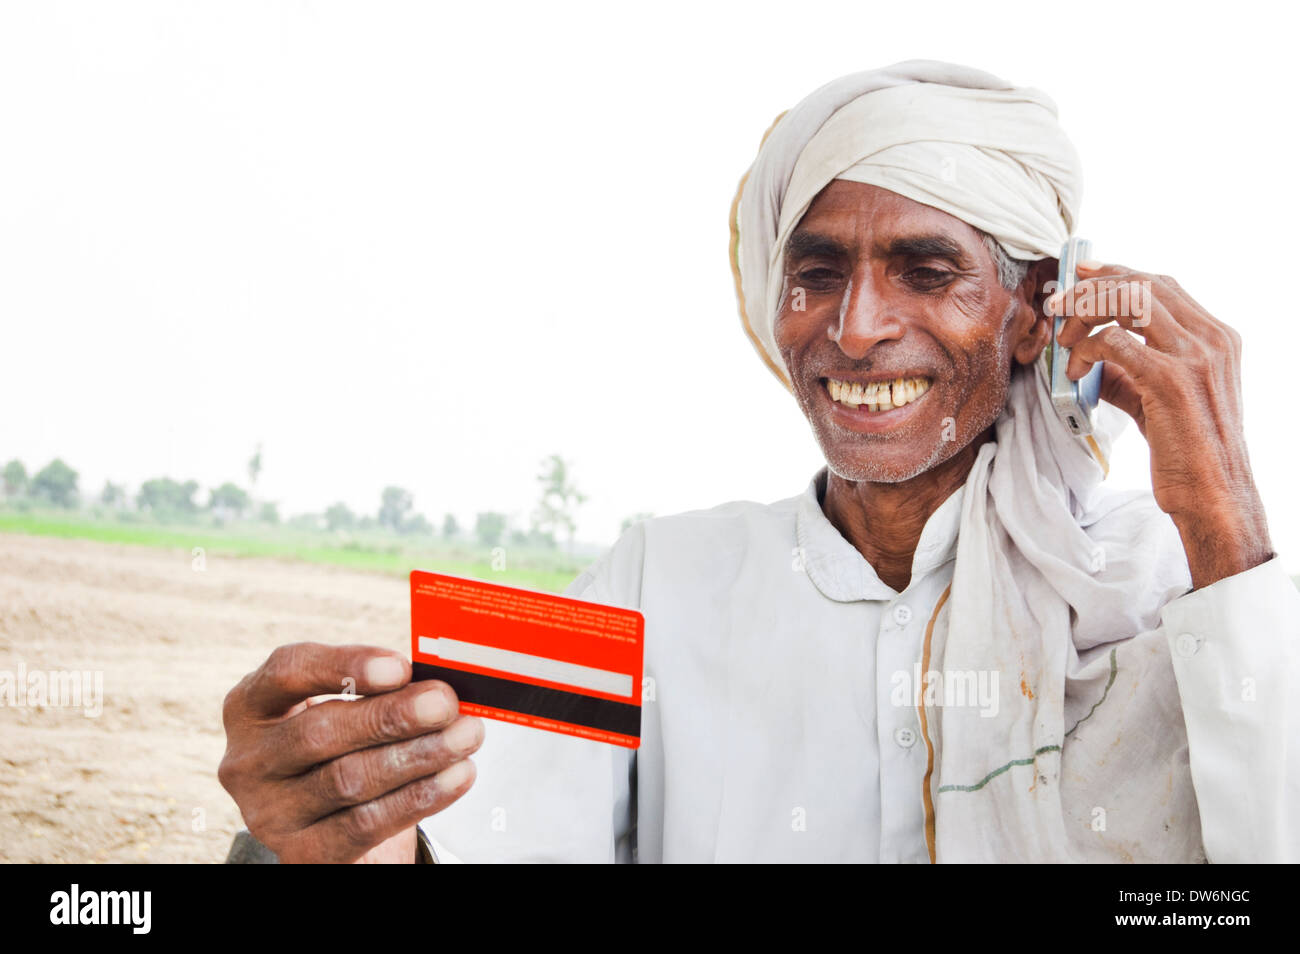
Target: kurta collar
pixel 841 573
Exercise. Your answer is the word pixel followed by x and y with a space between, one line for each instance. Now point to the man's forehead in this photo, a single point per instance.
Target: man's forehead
pixel 855 214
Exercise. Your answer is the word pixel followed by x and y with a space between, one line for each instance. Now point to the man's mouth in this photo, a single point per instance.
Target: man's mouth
pixel 877 395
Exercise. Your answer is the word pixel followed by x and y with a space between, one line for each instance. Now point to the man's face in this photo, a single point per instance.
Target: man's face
pixel 879 288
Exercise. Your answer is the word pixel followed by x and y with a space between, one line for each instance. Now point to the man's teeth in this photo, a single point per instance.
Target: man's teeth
pixel 879 395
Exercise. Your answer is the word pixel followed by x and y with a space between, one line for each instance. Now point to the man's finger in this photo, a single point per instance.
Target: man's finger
pixel 335 728
pixel 1142 365
pixel 374 772
pixel 293 672
pixel 1117 388
pixel 1185 310
pixel 349 833
pixel 1126 300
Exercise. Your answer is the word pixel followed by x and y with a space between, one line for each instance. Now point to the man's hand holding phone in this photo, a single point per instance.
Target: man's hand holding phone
pixel 343 780
pixel 1178 375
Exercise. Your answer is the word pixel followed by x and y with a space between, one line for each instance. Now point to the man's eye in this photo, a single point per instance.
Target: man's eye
pixel 928 277
pixel 819 277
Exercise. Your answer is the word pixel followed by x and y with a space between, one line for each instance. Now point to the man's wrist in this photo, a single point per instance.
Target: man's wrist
pixel 1220 547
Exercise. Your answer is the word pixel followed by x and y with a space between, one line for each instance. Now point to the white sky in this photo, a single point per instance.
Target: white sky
pixel 426 245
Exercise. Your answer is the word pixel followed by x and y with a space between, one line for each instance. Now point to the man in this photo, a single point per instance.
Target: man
pixel 955 645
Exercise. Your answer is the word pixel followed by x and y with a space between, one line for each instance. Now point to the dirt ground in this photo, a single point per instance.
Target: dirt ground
pixel 138 782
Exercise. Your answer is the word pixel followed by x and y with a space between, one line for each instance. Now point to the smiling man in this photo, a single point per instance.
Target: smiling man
pixel 898 336
pixel 956 644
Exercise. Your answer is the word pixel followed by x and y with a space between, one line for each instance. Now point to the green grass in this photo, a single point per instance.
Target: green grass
pixel 537 569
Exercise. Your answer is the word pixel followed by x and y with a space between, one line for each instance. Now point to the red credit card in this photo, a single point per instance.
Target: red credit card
pixel 550 662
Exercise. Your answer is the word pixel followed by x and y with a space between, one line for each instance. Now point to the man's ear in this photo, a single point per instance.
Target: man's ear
pixel 1032 325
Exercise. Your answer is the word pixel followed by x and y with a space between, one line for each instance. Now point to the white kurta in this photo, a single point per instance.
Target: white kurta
pixel 770 727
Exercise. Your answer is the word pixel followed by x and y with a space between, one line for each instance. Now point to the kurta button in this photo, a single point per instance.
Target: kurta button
pixel 906 738
pixel 1186 644
pixel 902 614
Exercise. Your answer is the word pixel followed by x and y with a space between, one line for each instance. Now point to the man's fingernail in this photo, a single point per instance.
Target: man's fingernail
pixel 463 734
pixel 1091 264
pixel 385 672
pixel 431 707
pixel 454 776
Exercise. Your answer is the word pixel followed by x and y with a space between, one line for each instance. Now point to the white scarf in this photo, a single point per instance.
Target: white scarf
pixel 1086 759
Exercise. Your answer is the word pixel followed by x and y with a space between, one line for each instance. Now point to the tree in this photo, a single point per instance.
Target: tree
pixel 254 467
pixel 394 505
pixel 113 495
pixel 450 528
pixel 533 538
pixel 488 527
pixel 560 498
pixel 15 478
pixel 630 522
pixel 307 521
pixel 166 497
pixel 270 512
pixel 229 500
pixel 418 526
pixel 339 517
pixel 57 483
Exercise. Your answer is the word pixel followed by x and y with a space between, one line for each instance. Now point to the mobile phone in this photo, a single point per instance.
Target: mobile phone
pixel 1074 401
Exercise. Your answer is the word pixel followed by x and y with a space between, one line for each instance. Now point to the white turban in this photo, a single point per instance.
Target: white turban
pixel 1038 589
pixel 951 137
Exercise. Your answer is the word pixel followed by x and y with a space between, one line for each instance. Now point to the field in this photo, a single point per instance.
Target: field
pixel 170 635
pixel 376 551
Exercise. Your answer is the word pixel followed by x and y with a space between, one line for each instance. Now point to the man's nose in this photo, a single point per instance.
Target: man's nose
pixel 867 316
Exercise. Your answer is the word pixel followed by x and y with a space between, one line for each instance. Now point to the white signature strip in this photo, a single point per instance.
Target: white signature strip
pixel 524 664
